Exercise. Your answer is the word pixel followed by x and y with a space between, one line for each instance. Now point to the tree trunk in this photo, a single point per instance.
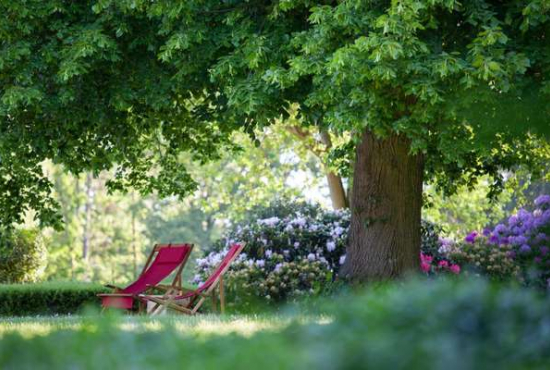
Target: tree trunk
pixel 337 191
pixel 386 206
pixel 335 186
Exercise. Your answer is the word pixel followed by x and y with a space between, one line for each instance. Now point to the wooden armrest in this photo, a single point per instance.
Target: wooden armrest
pixel 170 287
pixel 161 286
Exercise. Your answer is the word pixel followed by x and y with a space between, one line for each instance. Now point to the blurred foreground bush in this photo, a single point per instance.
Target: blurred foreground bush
pixel 439 324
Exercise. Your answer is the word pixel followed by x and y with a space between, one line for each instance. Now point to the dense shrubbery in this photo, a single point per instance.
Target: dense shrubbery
pixel 22 256
pixel 292 249
pixel 47 298
pixel 439 324
pixel 518 248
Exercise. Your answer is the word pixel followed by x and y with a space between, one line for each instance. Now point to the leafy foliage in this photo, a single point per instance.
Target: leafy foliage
pixel 135 84
pixel 22 256
pixel 120 229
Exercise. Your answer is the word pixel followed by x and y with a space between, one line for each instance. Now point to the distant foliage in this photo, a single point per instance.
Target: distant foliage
pixel 292 249
pixel 22 256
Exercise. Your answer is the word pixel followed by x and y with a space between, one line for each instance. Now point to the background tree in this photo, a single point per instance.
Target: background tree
pixel 120 228
pixel 427 91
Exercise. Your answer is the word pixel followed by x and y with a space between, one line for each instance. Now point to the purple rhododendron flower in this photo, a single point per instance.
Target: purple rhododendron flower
pixel 512 254
pixel 513 220
pixel 486 231
pixel 524 215
pixel 519 240
pixel 516 230
pixel 542 200
pixel 500 229
pixel 525 249
pixel 538 260
pixel 471 238
pixel 544 250
pixel 493 239
pixel 541 237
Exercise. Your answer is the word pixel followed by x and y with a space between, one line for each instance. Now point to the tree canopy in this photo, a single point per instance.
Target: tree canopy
pixel 133 84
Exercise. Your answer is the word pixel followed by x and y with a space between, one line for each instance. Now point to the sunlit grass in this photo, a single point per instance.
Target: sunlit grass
pixel 197 326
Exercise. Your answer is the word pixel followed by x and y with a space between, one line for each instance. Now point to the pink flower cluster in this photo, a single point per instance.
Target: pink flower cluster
pixel 427 264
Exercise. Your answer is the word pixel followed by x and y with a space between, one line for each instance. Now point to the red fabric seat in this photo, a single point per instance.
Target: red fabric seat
pixel 214 277
pixel 166 261
pixel 189 301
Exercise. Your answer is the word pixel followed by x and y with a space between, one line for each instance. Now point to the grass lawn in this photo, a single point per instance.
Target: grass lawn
pixel 196 327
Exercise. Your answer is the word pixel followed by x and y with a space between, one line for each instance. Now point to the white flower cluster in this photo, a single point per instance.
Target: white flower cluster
pixel 284 256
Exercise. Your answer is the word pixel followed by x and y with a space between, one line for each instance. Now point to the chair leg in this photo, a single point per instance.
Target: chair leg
pixel 213 296
pixel 222 296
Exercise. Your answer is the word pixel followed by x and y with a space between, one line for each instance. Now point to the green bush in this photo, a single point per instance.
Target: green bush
pixel 22 255
pixel 439 324
pixel 47 298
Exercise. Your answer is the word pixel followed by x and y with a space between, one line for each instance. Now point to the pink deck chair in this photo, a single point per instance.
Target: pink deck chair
pixel 169 258
pixel 189 301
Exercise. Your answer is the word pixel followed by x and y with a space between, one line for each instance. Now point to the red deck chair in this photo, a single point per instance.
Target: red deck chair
pixel 169 258
pixel 189 301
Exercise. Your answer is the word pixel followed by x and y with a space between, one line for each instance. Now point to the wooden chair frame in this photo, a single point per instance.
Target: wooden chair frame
pixel 168 300
pixel 176 282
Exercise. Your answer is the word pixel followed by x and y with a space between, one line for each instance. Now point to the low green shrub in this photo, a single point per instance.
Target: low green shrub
pixel 47 298
pixel 439 324
pixel 22 255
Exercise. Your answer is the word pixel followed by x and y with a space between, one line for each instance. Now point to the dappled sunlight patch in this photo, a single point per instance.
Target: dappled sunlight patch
pixel 200 326
pixel 242 326
pixel 149 326
pixel 29 327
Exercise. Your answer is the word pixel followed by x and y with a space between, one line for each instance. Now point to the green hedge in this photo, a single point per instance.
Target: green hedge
pixel 47 298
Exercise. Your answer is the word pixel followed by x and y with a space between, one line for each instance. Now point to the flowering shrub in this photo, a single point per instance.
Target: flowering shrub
pixel 484 258
pixel 522 240
pixel 289 255
pixel 434 257
pixel 285 256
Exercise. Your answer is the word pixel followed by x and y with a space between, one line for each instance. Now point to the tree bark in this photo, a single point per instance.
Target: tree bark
pixel 386 210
